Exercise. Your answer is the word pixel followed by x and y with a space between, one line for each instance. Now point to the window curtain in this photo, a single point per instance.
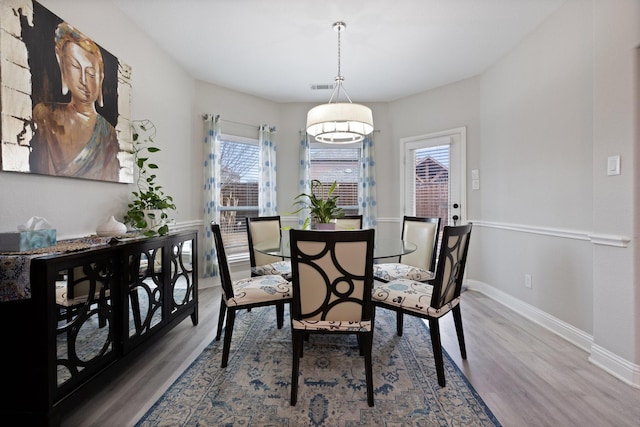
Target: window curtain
pixel 367 198
pixel 304 172
pixel 211 191
pixel 267 193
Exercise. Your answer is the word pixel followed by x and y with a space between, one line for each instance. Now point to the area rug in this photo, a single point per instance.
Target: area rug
pixel 254 389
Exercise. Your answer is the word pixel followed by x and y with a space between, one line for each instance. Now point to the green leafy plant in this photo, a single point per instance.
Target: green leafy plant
pixel 149 196
pixel 322 210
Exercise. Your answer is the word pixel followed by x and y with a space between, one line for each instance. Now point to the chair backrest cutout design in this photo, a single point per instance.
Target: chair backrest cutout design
pixel 332 275
pixel 451 265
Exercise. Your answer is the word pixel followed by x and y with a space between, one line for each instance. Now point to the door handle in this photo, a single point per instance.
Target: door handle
pixel 455 217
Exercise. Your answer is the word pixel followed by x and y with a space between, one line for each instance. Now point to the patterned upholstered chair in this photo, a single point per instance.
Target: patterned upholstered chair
pixel 245 294
pixel 417 265
pixel 332 285
pixel 433 300
pixel 349 222
pixel 266 230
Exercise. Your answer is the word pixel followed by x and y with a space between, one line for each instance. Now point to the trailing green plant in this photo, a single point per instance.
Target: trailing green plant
pixel 150 196
pixel 322 210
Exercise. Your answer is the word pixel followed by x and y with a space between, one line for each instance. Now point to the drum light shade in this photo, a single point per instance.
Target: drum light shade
pixel 339 123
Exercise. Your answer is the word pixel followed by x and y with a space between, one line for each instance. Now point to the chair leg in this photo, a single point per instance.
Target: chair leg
pixel 368 365
pixel 280 314
pixel 457 319
pixel 399 322
pixel 434 327
pixel 295 365
pixel 228 332
pixel 223 311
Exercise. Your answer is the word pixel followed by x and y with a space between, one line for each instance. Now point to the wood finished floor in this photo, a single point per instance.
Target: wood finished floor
pixel 525 374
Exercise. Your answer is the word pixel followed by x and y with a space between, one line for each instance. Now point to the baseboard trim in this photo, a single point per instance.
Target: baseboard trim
pixel 575 336
pixel 615 365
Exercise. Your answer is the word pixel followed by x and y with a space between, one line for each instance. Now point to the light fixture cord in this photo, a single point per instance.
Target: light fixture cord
pixel 339 79
pixel 339 75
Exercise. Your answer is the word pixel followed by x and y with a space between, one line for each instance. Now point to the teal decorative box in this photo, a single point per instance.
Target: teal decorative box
pixel 21 241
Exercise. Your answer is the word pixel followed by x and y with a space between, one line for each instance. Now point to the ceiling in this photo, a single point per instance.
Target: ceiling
pixel 277 49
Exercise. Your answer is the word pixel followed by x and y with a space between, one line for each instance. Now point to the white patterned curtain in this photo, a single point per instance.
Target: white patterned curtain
pixel 211 191
pixel 304 172
pixel 367 198
pixel 267 193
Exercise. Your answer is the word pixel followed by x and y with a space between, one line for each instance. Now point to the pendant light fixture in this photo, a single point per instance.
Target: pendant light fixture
pixel 339 122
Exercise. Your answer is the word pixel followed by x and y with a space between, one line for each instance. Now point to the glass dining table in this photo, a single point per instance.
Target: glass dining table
pixel 383 248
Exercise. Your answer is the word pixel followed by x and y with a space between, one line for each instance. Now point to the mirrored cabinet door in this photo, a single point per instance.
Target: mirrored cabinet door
pixel 84 320
pixel 145 293
pixel 182 271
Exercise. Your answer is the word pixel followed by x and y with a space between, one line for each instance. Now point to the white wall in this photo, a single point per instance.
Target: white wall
pixel 615 199
pixel 537 126
pixel 536 166
pixel 552 111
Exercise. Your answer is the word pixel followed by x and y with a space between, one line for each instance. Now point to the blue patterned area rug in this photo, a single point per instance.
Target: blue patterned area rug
pixel 254 389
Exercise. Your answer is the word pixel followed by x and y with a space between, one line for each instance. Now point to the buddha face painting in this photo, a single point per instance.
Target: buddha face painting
pixel 81 72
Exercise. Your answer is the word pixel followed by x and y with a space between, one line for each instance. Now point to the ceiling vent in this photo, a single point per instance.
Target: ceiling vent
pixel 326 86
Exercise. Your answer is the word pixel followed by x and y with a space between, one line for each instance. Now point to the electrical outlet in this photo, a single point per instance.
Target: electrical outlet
pixel 527 281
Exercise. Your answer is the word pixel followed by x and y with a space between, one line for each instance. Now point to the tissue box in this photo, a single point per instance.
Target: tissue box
pixel 20 241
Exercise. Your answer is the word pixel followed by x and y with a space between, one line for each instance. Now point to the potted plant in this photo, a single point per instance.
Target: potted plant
pixel 322 210
pixel 148 210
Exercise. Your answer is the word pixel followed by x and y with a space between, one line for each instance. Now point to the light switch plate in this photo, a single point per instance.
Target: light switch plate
pixel 475 174
pixel 613 165
pixel 475 184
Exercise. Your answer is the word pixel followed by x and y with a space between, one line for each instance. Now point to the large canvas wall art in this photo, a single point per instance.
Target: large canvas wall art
pixel 65 101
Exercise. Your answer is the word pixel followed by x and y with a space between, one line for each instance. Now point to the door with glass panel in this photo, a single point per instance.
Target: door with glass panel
pixel 434 176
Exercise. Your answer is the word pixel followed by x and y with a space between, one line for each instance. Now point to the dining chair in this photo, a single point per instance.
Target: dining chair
pixel 349 222
pixel 417 265
pixel 432 300
pixel 332 285
pixel 266 229
pixel 269 289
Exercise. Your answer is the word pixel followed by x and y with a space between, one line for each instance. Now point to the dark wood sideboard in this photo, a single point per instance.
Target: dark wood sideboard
pixel 90 312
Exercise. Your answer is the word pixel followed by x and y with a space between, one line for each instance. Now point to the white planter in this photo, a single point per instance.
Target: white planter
pixel 153 218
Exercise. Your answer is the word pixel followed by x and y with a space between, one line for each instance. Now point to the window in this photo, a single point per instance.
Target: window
pixel 240 176
pixel 432 181
pixel 340 164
